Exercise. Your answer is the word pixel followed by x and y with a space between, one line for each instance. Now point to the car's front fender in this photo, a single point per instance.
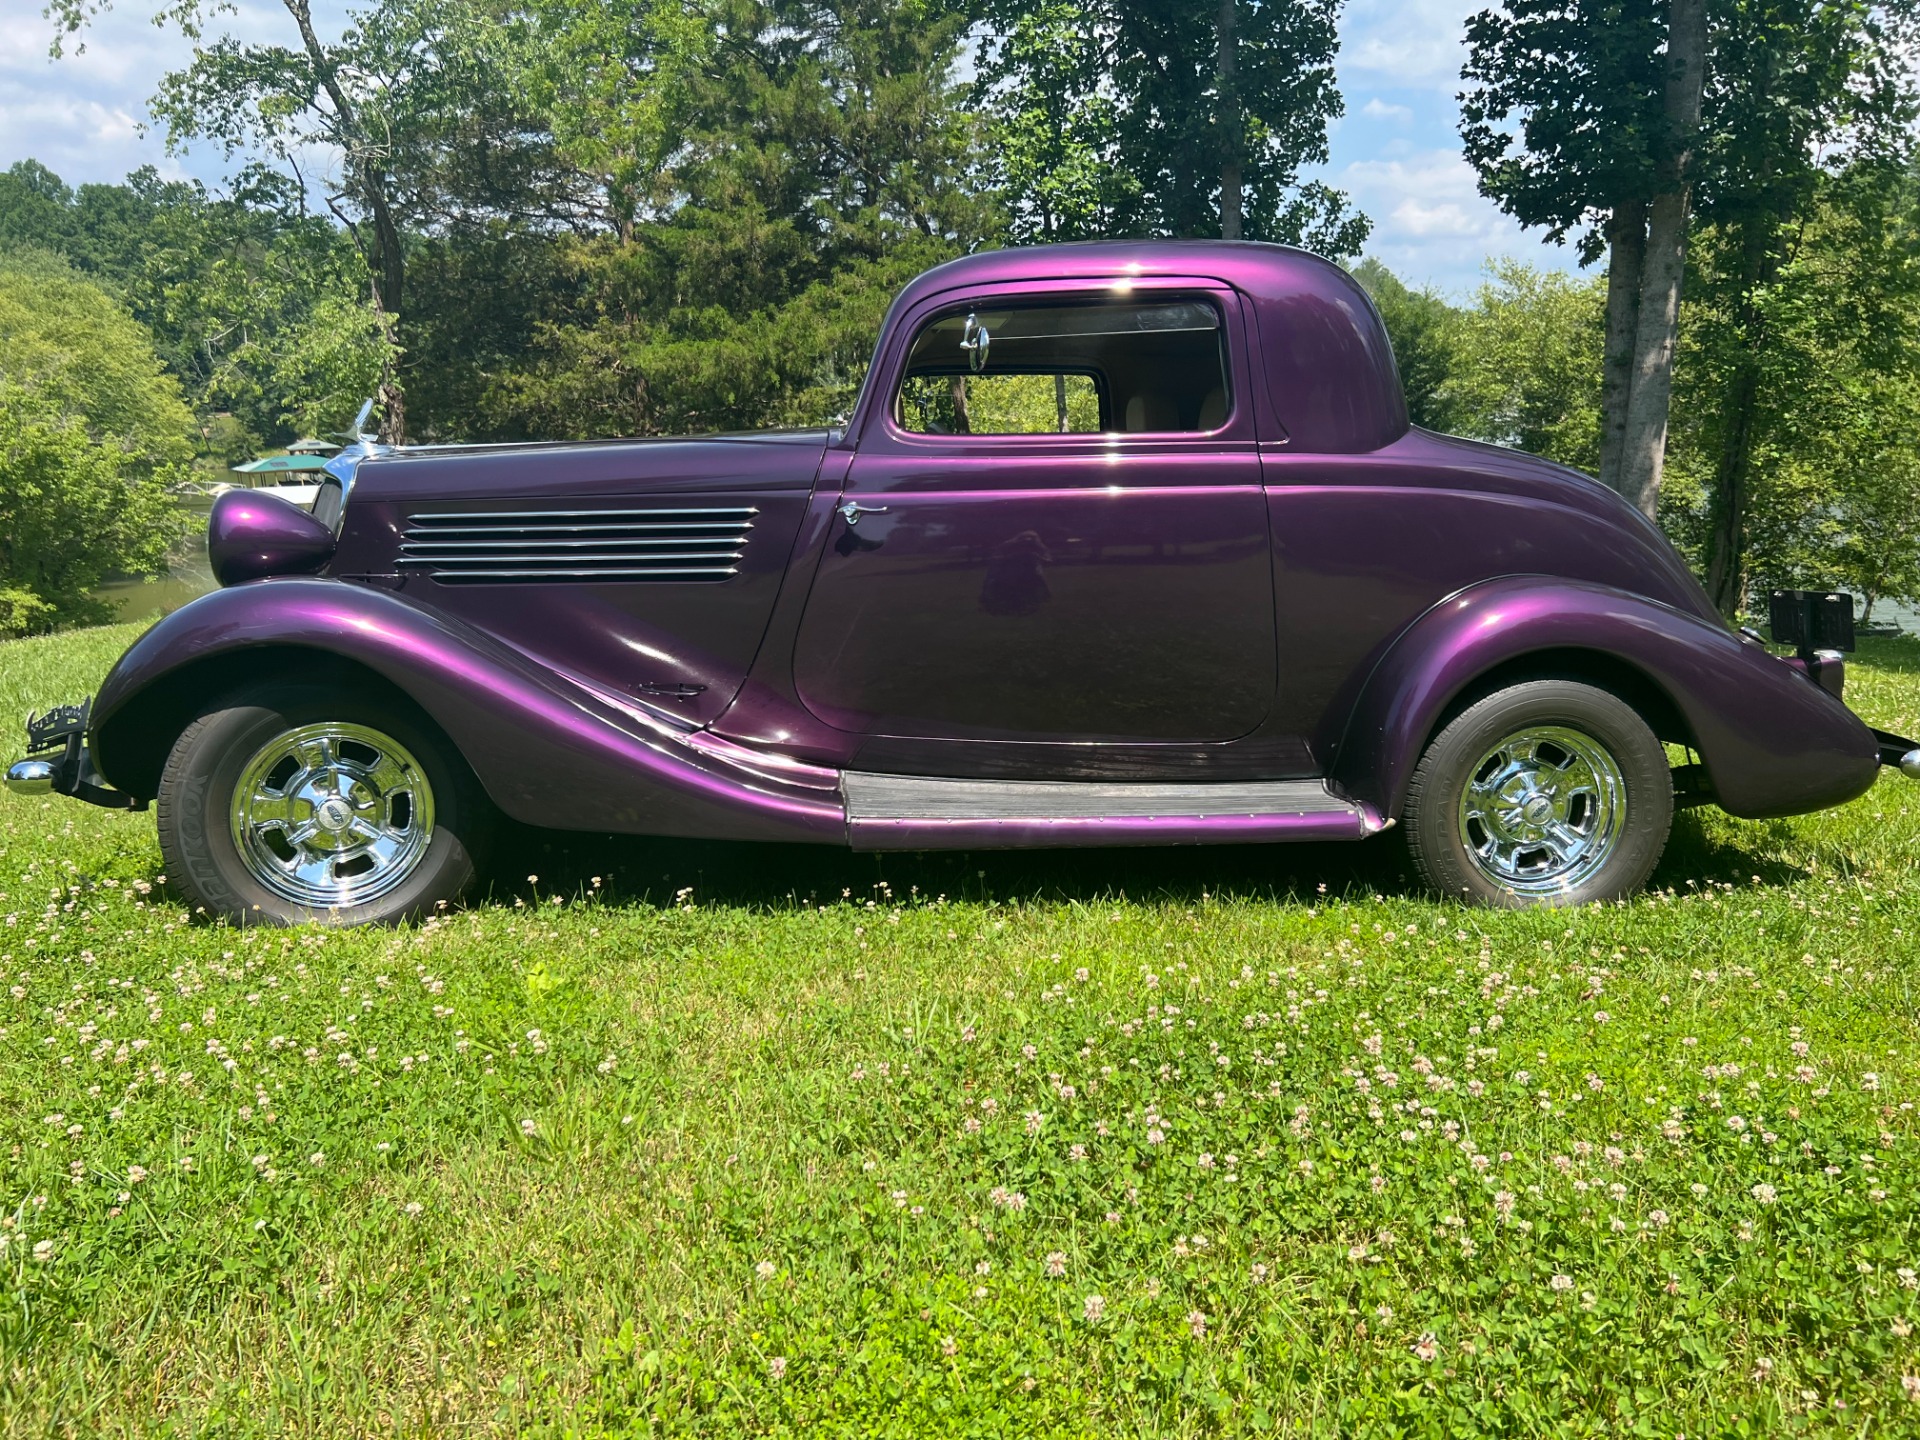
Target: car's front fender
pixel 1772 742
pixel 550 750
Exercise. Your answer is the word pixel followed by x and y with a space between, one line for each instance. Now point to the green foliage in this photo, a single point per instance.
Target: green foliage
pixel 73 510
pixel 1110 118
pixel 724 1140
pixel 1519 366
pixel 1528 368
pixel 1004 404
pixel 70 344
pixel 648 368
pixel 1814 377
pixel 1562 111
pixel 226 286
pixel 1425 331
pixel 331 363
pixel 820 159
pixel 1053 127
pixel 92 433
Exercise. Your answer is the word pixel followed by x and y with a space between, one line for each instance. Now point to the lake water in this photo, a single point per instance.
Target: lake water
pixel 188 576
pixel 150 599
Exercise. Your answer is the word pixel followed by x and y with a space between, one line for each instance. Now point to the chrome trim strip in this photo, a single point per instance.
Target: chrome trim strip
pixel 437 546
pixel 620 557
pixel 909 797
pixel 704 573
pixel 744 511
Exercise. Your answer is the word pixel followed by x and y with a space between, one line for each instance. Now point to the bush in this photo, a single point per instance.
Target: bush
pixel 92 433
pixel 70 515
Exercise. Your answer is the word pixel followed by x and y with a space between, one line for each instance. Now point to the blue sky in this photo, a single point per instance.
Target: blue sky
pixel 1396 151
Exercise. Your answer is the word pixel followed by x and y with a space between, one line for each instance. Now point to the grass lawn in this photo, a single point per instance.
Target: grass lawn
pixel 724 1140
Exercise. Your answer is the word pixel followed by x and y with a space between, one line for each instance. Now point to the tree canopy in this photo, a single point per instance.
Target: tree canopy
pixel 568 219
pixel 92 432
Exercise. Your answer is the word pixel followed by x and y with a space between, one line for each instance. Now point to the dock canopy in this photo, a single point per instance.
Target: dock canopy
pixel 281 462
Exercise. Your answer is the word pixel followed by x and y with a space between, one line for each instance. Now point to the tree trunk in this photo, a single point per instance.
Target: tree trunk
pixel 1727 505
pixel 385 258
pixel 1739 428
pixel 1626 254
pixel 389 284
pixel 1643 446
pixel 1232 126
pixel 1060 403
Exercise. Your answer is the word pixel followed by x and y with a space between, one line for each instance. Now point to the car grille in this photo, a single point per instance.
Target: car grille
pixel 514 547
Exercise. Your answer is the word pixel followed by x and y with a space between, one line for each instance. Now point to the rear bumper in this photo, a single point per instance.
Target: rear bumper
pixel 59 763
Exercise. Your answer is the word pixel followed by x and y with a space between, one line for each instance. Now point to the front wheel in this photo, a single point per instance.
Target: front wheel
pixel 1547 793
pixel 286 805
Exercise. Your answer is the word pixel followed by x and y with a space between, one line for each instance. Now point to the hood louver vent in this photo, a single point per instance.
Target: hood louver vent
pixel 517 547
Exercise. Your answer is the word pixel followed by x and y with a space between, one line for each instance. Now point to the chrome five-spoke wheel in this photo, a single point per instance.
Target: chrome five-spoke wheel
pixel 1547 792
pixel 332 815
pixel 1544 809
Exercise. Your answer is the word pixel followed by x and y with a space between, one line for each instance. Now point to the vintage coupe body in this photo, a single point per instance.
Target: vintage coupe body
pixel 1123 543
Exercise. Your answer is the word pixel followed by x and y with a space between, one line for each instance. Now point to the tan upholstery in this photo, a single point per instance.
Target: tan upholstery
pixel 1213 410
pixel 1149 412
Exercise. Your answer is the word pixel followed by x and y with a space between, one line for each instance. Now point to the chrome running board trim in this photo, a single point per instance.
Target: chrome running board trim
pixel 914 798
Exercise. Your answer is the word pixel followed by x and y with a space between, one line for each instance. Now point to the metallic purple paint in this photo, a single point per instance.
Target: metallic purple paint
pixel 1301 593
pixel 252 533
pixel 1773 743
pixel 549 752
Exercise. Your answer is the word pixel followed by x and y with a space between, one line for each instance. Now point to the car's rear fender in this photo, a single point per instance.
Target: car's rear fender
pixel 550 751
pixel 1772 743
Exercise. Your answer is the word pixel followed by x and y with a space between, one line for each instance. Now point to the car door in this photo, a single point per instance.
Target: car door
pixel 1053 530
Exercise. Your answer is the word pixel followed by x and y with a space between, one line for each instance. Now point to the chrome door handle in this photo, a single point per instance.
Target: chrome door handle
pixel 853 510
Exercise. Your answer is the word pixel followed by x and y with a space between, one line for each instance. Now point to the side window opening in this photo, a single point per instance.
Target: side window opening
pixel 1076 368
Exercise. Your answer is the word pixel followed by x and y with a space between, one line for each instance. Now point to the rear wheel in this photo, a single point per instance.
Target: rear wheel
pixel 1546 793
pixel 286 805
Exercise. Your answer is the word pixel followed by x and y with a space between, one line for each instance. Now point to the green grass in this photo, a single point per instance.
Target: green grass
pixel 729 1140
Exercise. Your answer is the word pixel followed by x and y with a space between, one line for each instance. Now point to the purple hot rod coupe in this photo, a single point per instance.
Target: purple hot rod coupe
pixel 1124 543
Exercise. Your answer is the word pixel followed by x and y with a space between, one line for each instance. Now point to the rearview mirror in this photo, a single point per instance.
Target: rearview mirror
pixel 974 340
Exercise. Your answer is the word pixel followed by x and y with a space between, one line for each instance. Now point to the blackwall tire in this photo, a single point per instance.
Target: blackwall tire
pixel 292 804
pixel 1546 793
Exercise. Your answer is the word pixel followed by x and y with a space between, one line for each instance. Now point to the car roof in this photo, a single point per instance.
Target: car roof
pixel 1330 379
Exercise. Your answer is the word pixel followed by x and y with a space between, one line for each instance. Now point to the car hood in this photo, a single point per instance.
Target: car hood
pixel 772 459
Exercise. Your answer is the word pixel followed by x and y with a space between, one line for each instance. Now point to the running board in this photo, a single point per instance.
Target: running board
pixel 908 812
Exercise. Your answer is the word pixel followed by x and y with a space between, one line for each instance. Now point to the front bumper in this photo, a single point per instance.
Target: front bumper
pixel 1900 753
pixel 58 762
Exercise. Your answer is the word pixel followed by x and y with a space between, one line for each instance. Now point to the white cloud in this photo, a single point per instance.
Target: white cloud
pixel 1378 109
pixel 1398 154
pixel 1430 223
pixel 83 114
pixel 1411 42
